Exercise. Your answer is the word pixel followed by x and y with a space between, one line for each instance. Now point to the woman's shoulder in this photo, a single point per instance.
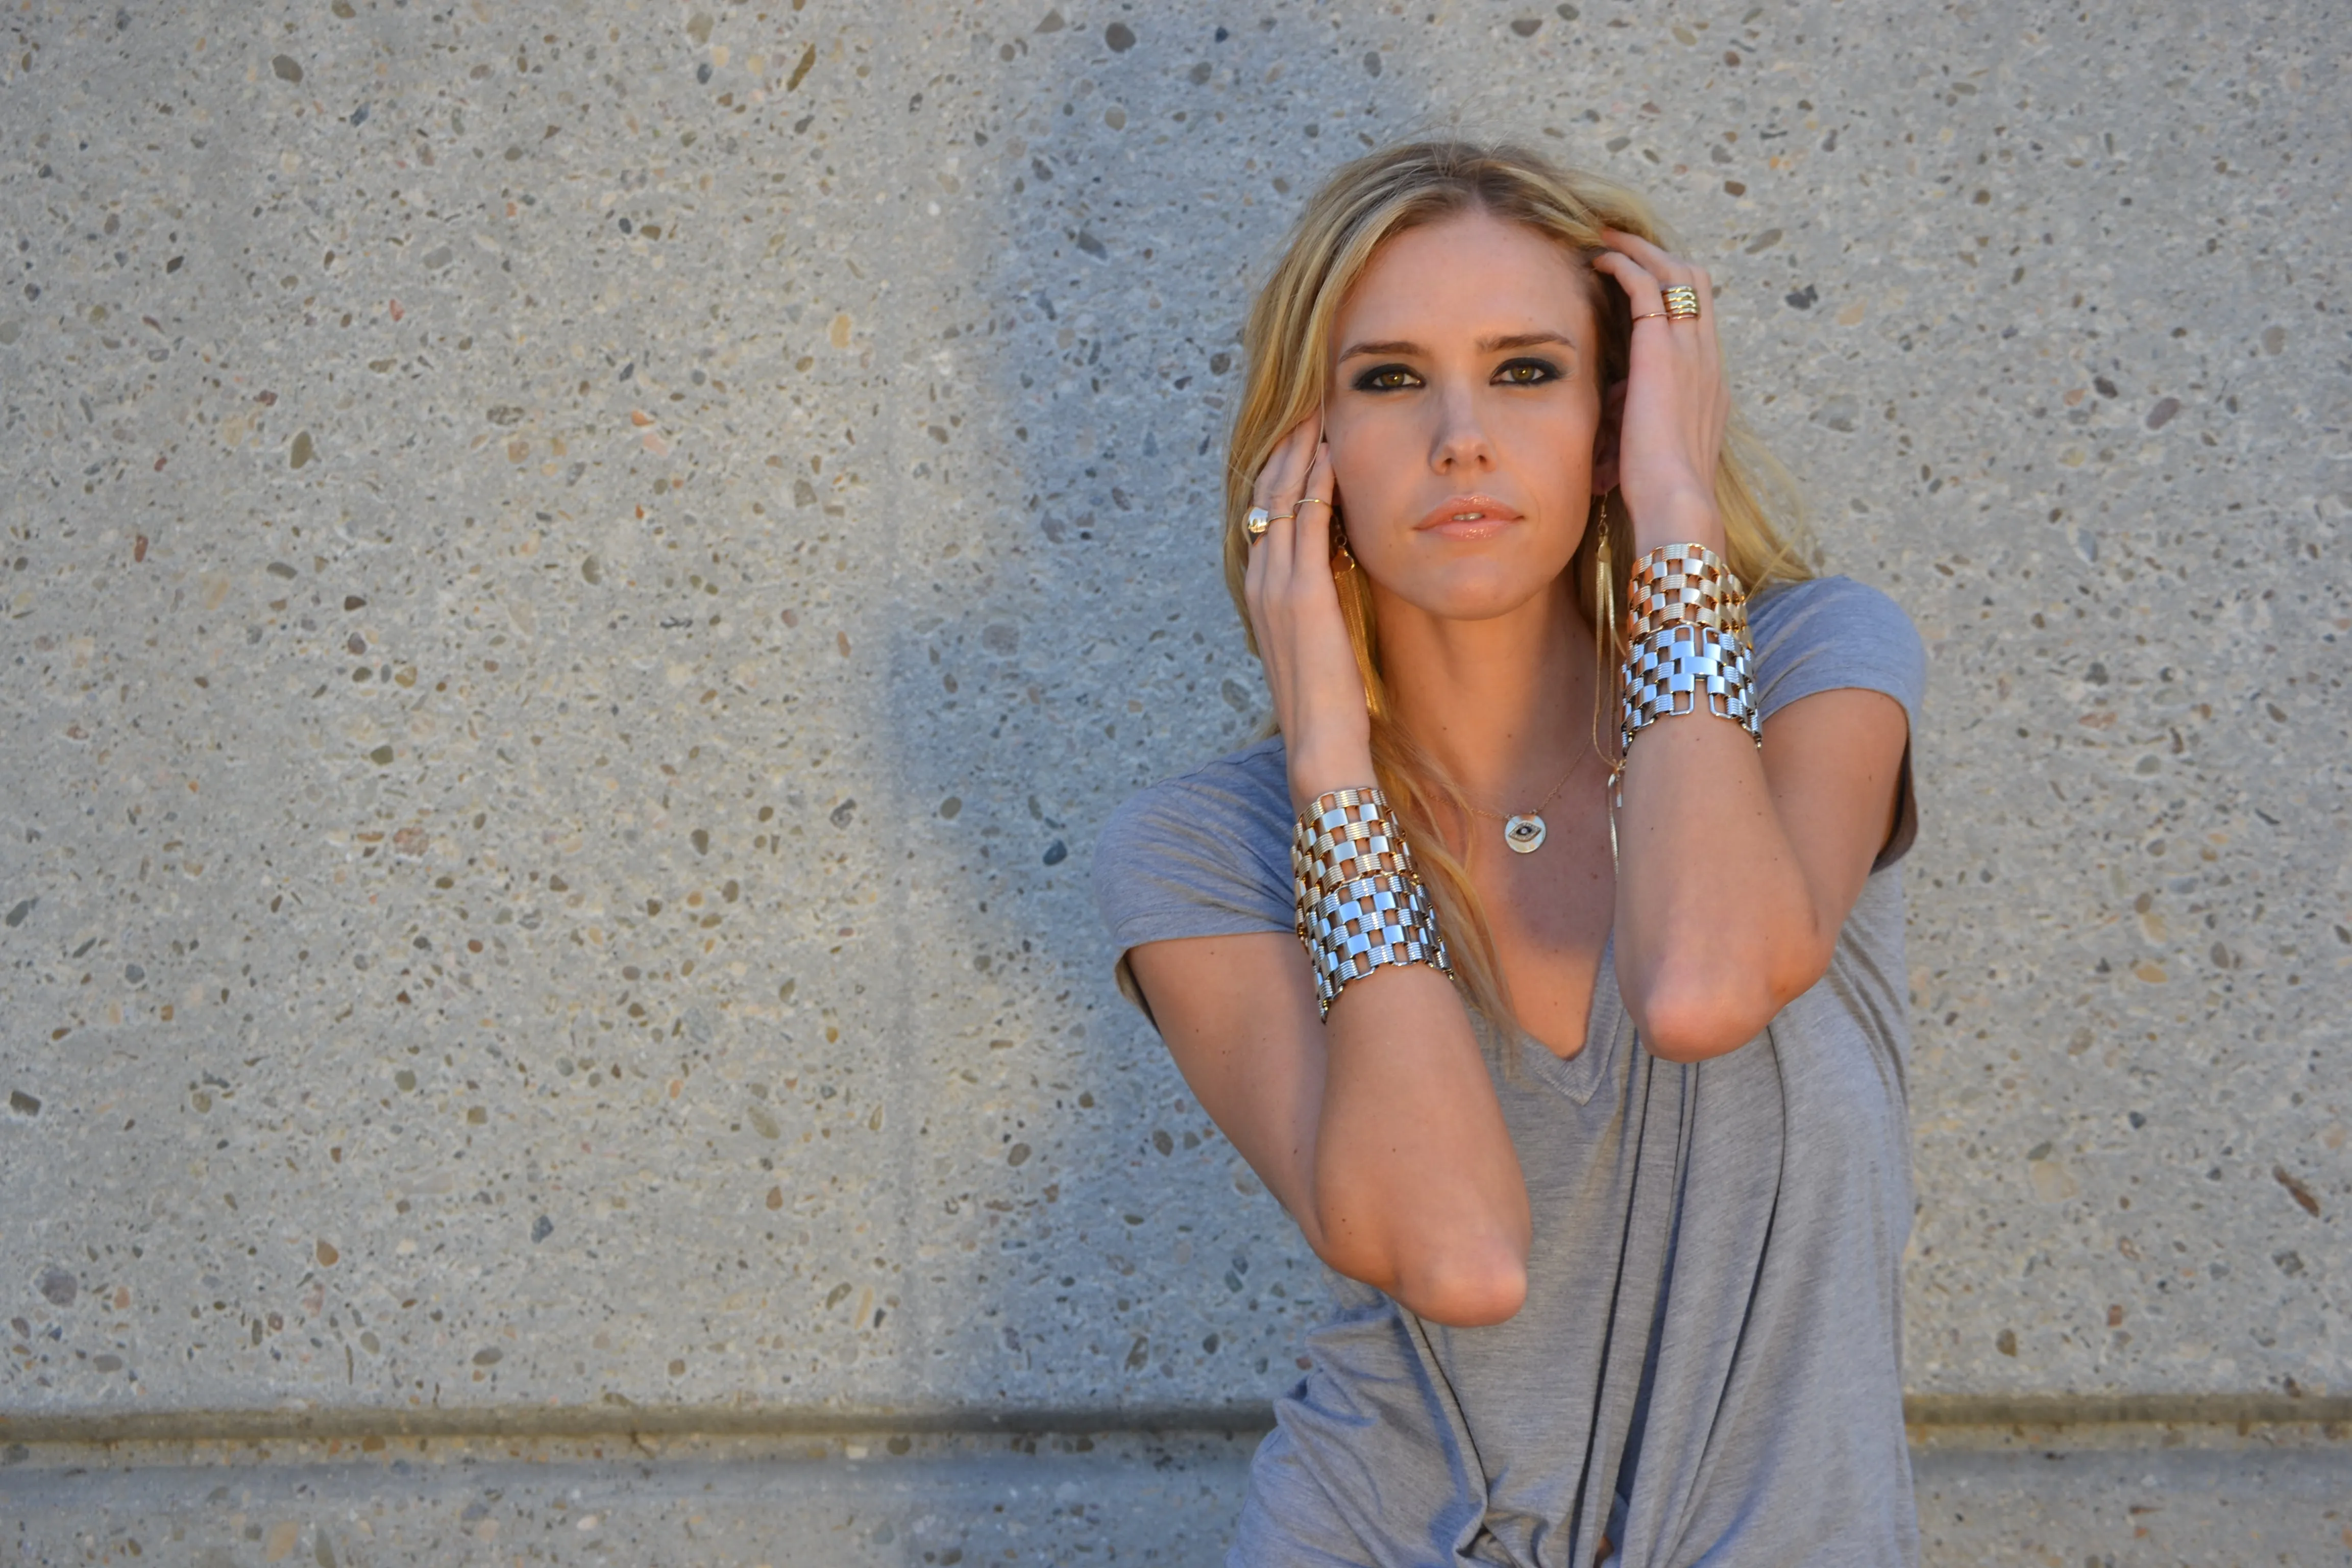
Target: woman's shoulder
pixel 1248 777
pixel 1818 603
pixel 1817 634
pixel 1239 797
pixel 1203 853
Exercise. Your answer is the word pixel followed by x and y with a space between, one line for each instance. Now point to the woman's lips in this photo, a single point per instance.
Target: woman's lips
pixel 1468 517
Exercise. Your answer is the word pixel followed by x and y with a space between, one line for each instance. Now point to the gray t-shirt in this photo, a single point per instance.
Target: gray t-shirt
pixel 1707 1367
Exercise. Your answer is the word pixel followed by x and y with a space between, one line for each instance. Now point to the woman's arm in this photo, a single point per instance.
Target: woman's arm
pixel 1735 867
pixel 1378 1128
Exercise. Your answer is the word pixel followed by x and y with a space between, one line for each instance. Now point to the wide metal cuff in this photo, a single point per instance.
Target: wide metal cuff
pixel 1685 585
pixel 1358 903
pixel 1688 670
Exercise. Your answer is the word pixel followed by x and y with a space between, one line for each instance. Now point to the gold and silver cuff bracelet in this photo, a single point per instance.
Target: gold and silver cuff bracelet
pixel 1359 903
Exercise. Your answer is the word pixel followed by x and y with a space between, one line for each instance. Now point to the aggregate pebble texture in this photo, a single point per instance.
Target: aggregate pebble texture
pixel 1986 1496
pixel 579 577
pixel 885 1500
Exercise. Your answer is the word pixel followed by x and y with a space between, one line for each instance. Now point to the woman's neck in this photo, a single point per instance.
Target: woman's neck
pixel 1504 705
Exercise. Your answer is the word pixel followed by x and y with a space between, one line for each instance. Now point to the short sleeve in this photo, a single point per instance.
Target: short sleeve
pixel 1830 633
pixel 1203 854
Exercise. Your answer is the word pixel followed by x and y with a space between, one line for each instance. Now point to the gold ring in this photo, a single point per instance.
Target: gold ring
pixel 1256 521
pixel 1681 301
pixel 1311 501
pixel 1648 315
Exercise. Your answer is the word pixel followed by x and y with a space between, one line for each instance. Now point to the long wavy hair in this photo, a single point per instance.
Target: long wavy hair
pixel 1287 345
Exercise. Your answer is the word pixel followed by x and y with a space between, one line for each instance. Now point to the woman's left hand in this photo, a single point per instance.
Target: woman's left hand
pixel 1676 401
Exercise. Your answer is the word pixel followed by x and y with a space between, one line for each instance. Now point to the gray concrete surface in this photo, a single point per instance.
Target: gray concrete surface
pixel 2094 1497
pixel 577 577
pixel 882 1499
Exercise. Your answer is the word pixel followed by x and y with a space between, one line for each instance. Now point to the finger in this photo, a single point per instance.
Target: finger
pixel 1272 555
pixel 1646 293
pixel 1300 448
pixel 1254 598
pixel 1662 263
pixel 1666 268
pixel 1282 491
pixel 1643 290
pixel 1311 530
pixel 1695 279
pixel 1707 341
pixel 1704 287
pixel 1285 466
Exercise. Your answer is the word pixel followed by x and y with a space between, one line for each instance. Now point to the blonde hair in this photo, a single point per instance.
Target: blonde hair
pixel 1287 347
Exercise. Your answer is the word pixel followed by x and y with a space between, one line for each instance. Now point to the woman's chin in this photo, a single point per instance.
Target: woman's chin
pixel 1480 594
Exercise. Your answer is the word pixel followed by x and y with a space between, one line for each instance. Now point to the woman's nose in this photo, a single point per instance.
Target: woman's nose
pixel 1460 440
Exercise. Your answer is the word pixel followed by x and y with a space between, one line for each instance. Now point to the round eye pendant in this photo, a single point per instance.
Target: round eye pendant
pixel 1524 834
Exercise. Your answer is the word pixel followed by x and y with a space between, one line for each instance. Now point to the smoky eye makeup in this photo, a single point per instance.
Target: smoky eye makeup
pixel 1390 377
pixel 1527 370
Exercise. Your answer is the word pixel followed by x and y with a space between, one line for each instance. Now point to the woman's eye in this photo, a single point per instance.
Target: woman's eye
pixel 1527 373
pixel 1386 378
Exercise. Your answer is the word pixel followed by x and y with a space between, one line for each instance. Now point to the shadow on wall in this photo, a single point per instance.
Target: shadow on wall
pixel 582 744
pixel 1062 635
pixel 1063 433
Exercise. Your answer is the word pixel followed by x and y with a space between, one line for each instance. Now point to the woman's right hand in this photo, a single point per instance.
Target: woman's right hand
pixel 1302 637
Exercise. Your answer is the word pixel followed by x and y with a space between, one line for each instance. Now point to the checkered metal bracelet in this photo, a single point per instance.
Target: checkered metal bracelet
pixel 1359 904
pixel 1689 669
pixel 1685 585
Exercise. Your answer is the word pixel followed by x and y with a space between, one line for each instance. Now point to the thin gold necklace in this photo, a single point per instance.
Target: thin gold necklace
pixel 1524 831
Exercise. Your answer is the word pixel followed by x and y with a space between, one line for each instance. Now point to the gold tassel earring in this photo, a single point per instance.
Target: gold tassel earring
pixel 1604 619
pixel 1604 648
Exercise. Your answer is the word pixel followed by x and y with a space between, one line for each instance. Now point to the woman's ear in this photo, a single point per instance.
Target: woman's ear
pixel 1605 438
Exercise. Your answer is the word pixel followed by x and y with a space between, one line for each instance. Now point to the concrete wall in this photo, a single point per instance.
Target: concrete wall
pixel 577 578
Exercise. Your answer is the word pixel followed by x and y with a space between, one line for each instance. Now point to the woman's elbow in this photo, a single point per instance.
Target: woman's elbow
pixel 1462 1286
pixel 1471 1292
pixel 1691 1017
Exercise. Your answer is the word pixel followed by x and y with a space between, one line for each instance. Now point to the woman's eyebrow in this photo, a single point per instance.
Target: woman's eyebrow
pixel 1393 346
pixel 1485 345
pixel 1524 341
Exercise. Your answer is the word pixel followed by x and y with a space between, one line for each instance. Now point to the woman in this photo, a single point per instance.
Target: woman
pixel 1603 1132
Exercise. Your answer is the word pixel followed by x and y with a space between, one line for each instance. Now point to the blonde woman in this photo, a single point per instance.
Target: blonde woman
pixel 1603 1130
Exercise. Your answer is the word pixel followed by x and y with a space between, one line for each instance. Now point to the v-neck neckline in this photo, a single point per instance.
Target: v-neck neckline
pixel 1578 1077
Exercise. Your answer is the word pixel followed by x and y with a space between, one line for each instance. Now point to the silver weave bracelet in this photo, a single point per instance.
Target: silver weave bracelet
pixel 1689 669
pixel 1687 615
pixel 1359 903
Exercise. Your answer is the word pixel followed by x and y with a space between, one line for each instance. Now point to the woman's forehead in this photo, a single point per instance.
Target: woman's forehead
pixel 1470 276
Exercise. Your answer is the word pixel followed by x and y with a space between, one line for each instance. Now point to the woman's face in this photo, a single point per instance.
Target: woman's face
pixel 1462 414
